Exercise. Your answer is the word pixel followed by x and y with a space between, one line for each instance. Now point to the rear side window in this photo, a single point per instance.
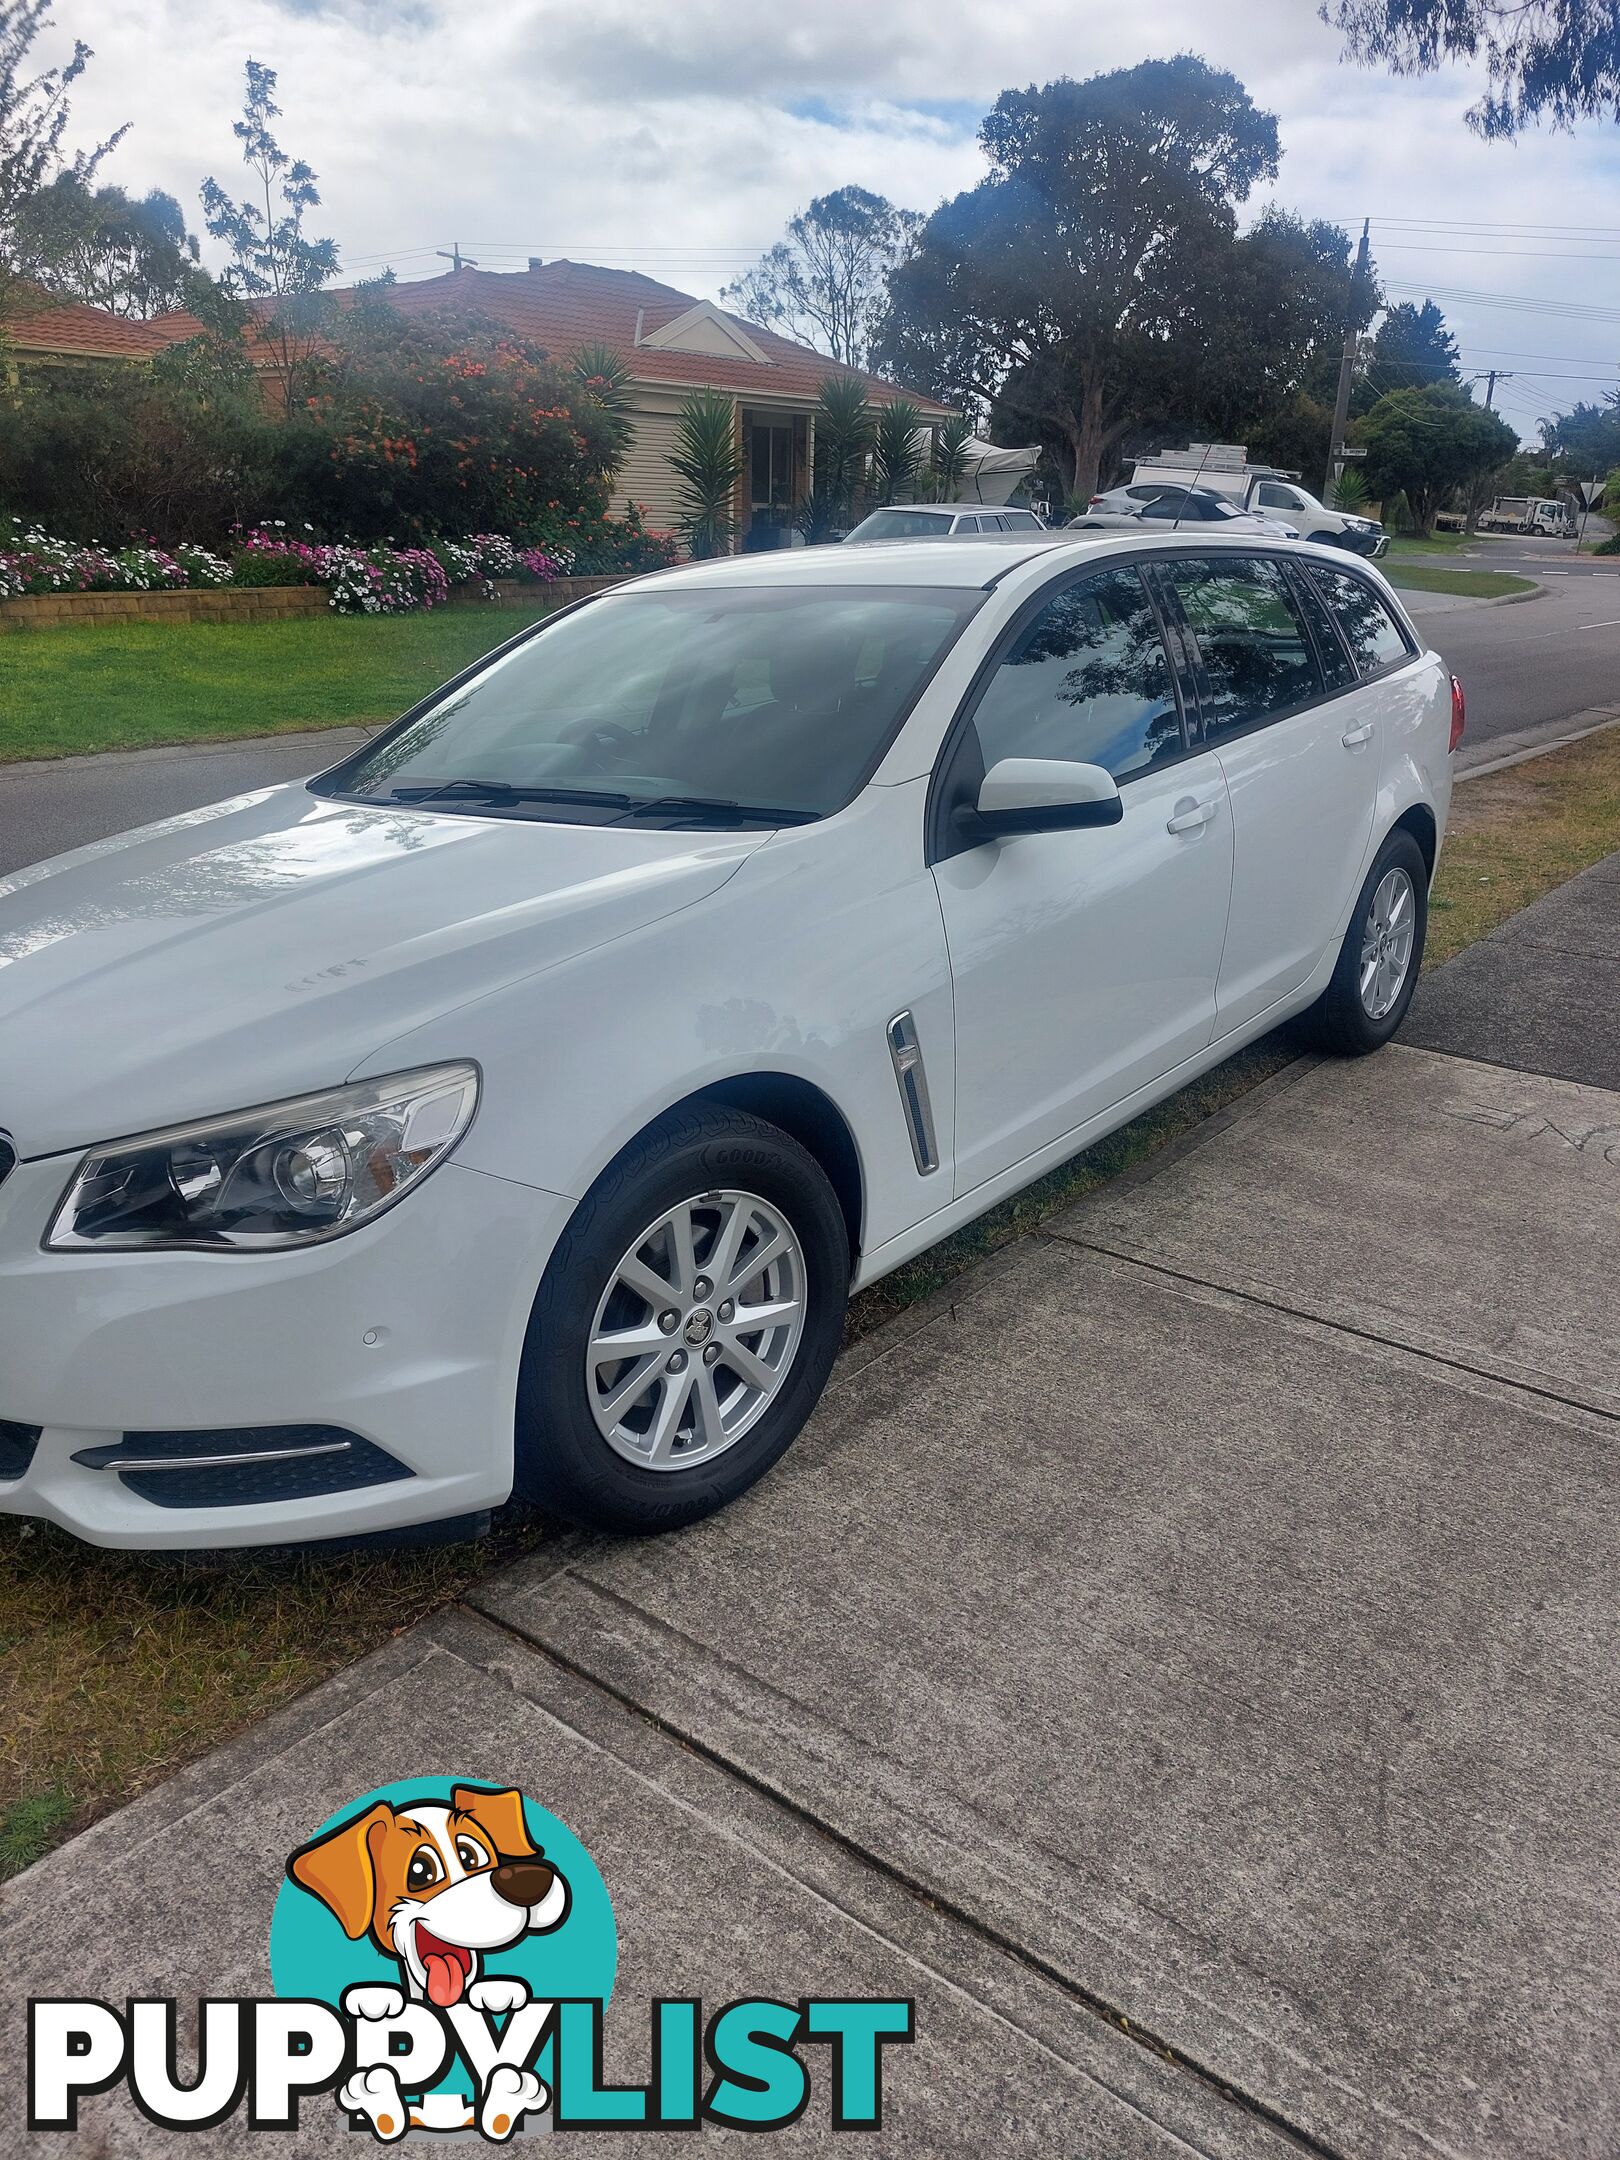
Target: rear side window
pixel 1370 630
pixel 1273 497
pixel 1337 665
pixel 966 525
pixel 1257 658
pixel 1088 679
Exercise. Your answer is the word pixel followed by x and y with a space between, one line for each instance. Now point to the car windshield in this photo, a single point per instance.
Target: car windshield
pixel 903 525
pixel 723 706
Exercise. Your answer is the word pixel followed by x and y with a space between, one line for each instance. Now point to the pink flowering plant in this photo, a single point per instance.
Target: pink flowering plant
pixel 381 578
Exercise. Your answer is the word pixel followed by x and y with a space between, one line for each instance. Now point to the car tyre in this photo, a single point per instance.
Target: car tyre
pixel 565 1460
pixel 1354 1016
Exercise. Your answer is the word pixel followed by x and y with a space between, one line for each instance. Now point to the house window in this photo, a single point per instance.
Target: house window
pixel 771 468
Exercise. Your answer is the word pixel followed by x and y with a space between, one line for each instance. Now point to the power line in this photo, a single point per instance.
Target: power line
pixel 1408 247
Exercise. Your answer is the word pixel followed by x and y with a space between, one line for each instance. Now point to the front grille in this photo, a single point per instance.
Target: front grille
pixel 17 1445
pixel 300 1462
pixel 8 1158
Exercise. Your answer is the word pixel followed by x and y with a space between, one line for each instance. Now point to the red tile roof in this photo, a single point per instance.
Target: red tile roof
pixel 564 305
pixel 42 323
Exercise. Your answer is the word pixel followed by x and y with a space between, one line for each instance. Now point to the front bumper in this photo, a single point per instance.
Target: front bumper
pixel 406 1334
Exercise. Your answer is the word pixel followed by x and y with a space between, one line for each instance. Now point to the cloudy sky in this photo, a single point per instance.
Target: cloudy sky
pixel 677 136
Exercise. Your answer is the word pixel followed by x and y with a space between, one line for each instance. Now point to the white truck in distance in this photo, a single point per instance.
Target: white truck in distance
pixel 1265 489
pixel 1529 514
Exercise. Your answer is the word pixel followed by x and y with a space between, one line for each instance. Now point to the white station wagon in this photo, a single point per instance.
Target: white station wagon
pixel 513 1106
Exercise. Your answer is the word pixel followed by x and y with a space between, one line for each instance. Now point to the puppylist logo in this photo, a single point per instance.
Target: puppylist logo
pixel 442 1954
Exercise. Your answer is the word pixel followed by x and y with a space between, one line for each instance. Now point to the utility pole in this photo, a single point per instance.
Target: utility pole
pixel 1492 377
pixel 1347 366
pixel 454 257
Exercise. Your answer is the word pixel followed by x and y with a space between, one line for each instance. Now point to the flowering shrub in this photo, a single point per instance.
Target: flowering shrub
pixel 33 561
pixel 492 555
pixel 378 580
pixel 362 581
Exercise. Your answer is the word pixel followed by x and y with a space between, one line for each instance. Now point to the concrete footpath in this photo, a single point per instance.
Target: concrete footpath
pixel 1182 1657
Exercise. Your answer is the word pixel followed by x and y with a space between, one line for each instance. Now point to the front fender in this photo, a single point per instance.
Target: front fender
pixel 795 966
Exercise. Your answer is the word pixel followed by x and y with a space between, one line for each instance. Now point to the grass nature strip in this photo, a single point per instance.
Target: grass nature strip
pixel 132 686
pixel 1466 584
pixel 117 1668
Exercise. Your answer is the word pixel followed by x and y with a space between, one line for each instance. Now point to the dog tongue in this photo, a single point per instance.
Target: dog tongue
pixel 444 1979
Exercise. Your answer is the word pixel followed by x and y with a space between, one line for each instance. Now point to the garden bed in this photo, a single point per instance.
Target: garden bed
pixel 259 603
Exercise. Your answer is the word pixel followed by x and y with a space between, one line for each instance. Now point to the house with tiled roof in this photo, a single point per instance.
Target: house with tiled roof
pixel 671 344
pixel 42 330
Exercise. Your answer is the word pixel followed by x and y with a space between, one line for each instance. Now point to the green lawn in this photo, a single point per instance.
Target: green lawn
pixel 63 692
pixel 1470 584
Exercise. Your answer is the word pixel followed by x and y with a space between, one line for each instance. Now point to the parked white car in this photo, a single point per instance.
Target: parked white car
pixel 515 1104
pixel 943 521
pixel 1155 505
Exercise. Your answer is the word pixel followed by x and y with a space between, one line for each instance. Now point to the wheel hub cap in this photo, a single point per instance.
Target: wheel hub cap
pixel 697 1330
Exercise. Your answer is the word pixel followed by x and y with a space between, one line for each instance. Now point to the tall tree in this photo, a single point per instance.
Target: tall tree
pixel 1557 60
pixel 1426 444
pixel 825 283
pixel 1586 440
pixel 34 117
pixel 102 247
pixel 273 257
pixel 1412 347
pixel 1073 280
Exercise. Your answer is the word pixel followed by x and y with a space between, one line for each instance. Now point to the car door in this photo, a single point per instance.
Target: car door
pixel 1084 963
pixel 1276 702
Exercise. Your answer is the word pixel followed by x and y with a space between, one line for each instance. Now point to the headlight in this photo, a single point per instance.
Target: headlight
pixel 289 1174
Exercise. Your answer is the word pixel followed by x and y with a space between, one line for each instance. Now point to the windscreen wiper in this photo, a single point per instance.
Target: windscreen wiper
pixel 503 791
pixel 717 809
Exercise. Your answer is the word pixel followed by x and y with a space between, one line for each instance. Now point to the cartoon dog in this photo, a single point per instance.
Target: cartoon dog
pixel 436 1888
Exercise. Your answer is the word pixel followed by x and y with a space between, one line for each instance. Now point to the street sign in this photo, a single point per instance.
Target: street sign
pixel 1591 492
pixel 1349 452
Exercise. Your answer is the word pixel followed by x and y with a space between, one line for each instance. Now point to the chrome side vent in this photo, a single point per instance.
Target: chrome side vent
pixel 906 1054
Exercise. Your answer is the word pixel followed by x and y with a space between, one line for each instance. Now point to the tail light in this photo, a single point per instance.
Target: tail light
pixel 1459 713
pixel 1096 502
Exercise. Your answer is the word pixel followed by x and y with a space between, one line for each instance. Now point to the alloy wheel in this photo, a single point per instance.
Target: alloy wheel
pixel 697 1330
pixel 1386 943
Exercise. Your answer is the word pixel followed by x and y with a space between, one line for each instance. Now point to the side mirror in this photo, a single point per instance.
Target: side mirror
pixel 1031 795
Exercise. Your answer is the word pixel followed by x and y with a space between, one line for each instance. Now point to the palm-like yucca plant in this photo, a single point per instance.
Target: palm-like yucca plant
pixel 897 449
pixel 949 465
pixel 843 442
pixel 604 377
pixel 1349 490
pixel 708 459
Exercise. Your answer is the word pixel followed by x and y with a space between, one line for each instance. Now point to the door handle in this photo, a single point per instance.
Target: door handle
pixel 1353 738
pixel 1190 817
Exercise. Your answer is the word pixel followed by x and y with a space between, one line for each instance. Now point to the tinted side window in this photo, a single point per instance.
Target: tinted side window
pixel 1372 632
pixel 1337 665
pixel 966 525
pixel 1257 657
pixel 1087 679
pixel 1273 497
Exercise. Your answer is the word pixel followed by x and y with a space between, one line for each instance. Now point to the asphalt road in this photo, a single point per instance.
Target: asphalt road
pixel 1536 668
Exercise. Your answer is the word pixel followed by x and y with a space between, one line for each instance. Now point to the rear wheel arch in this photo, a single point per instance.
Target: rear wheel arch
pixel 1419 821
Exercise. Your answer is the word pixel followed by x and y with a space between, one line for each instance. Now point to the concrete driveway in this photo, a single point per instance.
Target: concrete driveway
pixel 1182 1657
